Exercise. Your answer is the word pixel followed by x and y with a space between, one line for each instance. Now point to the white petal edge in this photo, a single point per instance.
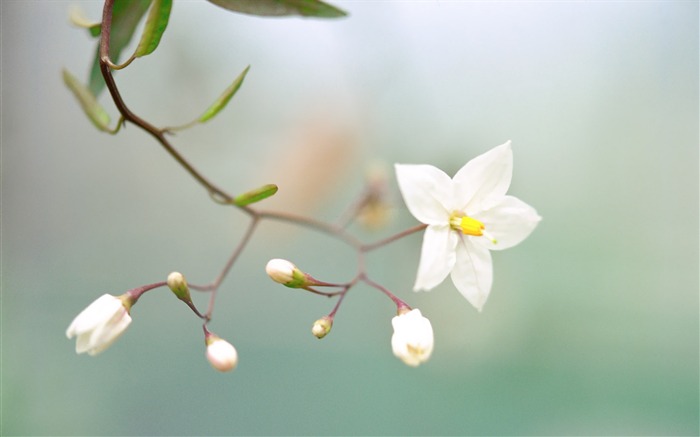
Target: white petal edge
pixel 473 272
pixel 484 177
pixel 509 222
pixel 437 257
pixel 94 314
pixel 425 190
pixel 104 336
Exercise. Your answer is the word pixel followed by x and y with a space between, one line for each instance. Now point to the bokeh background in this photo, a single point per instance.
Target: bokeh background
pixel 592 324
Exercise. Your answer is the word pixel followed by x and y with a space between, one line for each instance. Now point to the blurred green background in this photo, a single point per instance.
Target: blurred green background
pixel 592 324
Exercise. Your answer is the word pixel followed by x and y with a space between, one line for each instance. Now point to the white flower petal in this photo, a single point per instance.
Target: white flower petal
pixel 105 335
pixel 473 272
pixel 99 325
pixel 103 307
pixel 82 343
pixel 437 257
pixel 484 177
pixel 426 190
pixel 509 222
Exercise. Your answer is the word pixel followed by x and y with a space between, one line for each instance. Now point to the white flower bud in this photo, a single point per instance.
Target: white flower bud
pixel 412 341
pixel 286 273
pixel 100 324
pixel 322 327
pixel 178 285
pixel 221 354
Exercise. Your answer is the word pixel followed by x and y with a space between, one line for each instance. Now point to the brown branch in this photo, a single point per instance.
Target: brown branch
pixel 128 115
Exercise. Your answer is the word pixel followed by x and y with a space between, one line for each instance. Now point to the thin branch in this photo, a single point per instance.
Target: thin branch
pixel 214 287
pixel 385 241
pixel 128 115
pixel 308 222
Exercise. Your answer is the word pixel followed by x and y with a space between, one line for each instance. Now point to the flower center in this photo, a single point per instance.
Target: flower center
pixel 415 350
pixel 468 225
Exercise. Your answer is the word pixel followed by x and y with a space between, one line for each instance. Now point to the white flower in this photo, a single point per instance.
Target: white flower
pixel 466 216
pixel 412 341
pixel 221 354
pixel 99 325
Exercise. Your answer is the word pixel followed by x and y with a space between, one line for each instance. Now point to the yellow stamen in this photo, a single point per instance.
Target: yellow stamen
pixel 471 226
pixel 468 225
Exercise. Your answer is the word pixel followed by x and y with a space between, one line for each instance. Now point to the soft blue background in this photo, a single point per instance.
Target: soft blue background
pixel 592 325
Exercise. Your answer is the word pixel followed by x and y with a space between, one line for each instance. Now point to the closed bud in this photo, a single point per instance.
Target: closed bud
pixel 322 327
pixel 221 354
pixel 178 285
pixel 412 341
pixel 286 273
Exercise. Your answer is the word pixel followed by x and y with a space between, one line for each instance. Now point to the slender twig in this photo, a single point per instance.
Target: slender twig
pixel 391 239
pixel 324 293
pixel 136 293
pixel 214 287
pixel 337 304
pixel 128 115
pixel 353 210
pixel 311 223
pixel 399 303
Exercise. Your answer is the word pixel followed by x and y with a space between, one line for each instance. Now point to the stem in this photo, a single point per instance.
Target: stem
pixel 136 293
pixel 126 113
pixel 308 222
pixel 214 287
pixel 324 293
pixel 385 241
pixel 351 213
pixel 337 304
pixel 399 303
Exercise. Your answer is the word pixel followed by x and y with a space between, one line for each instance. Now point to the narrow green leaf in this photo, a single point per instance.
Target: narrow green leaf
pixel 95 112
pixel 125 17
pixel 77 17
pixel 224 98
pixel 255 195
pixel 277 8
pixel 156 23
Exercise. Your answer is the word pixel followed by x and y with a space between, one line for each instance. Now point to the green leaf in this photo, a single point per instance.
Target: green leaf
pixel 156 23
pixel 224 98
pixel 255 195
pixel 125 17
pixel 77 17
pixel 277 8
pixel 95 112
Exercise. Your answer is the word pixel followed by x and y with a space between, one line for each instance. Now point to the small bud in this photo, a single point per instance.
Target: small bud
pixel 322 327
pixel 178 285
pixel 286 273
pixel 412 341
pixel 221 354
